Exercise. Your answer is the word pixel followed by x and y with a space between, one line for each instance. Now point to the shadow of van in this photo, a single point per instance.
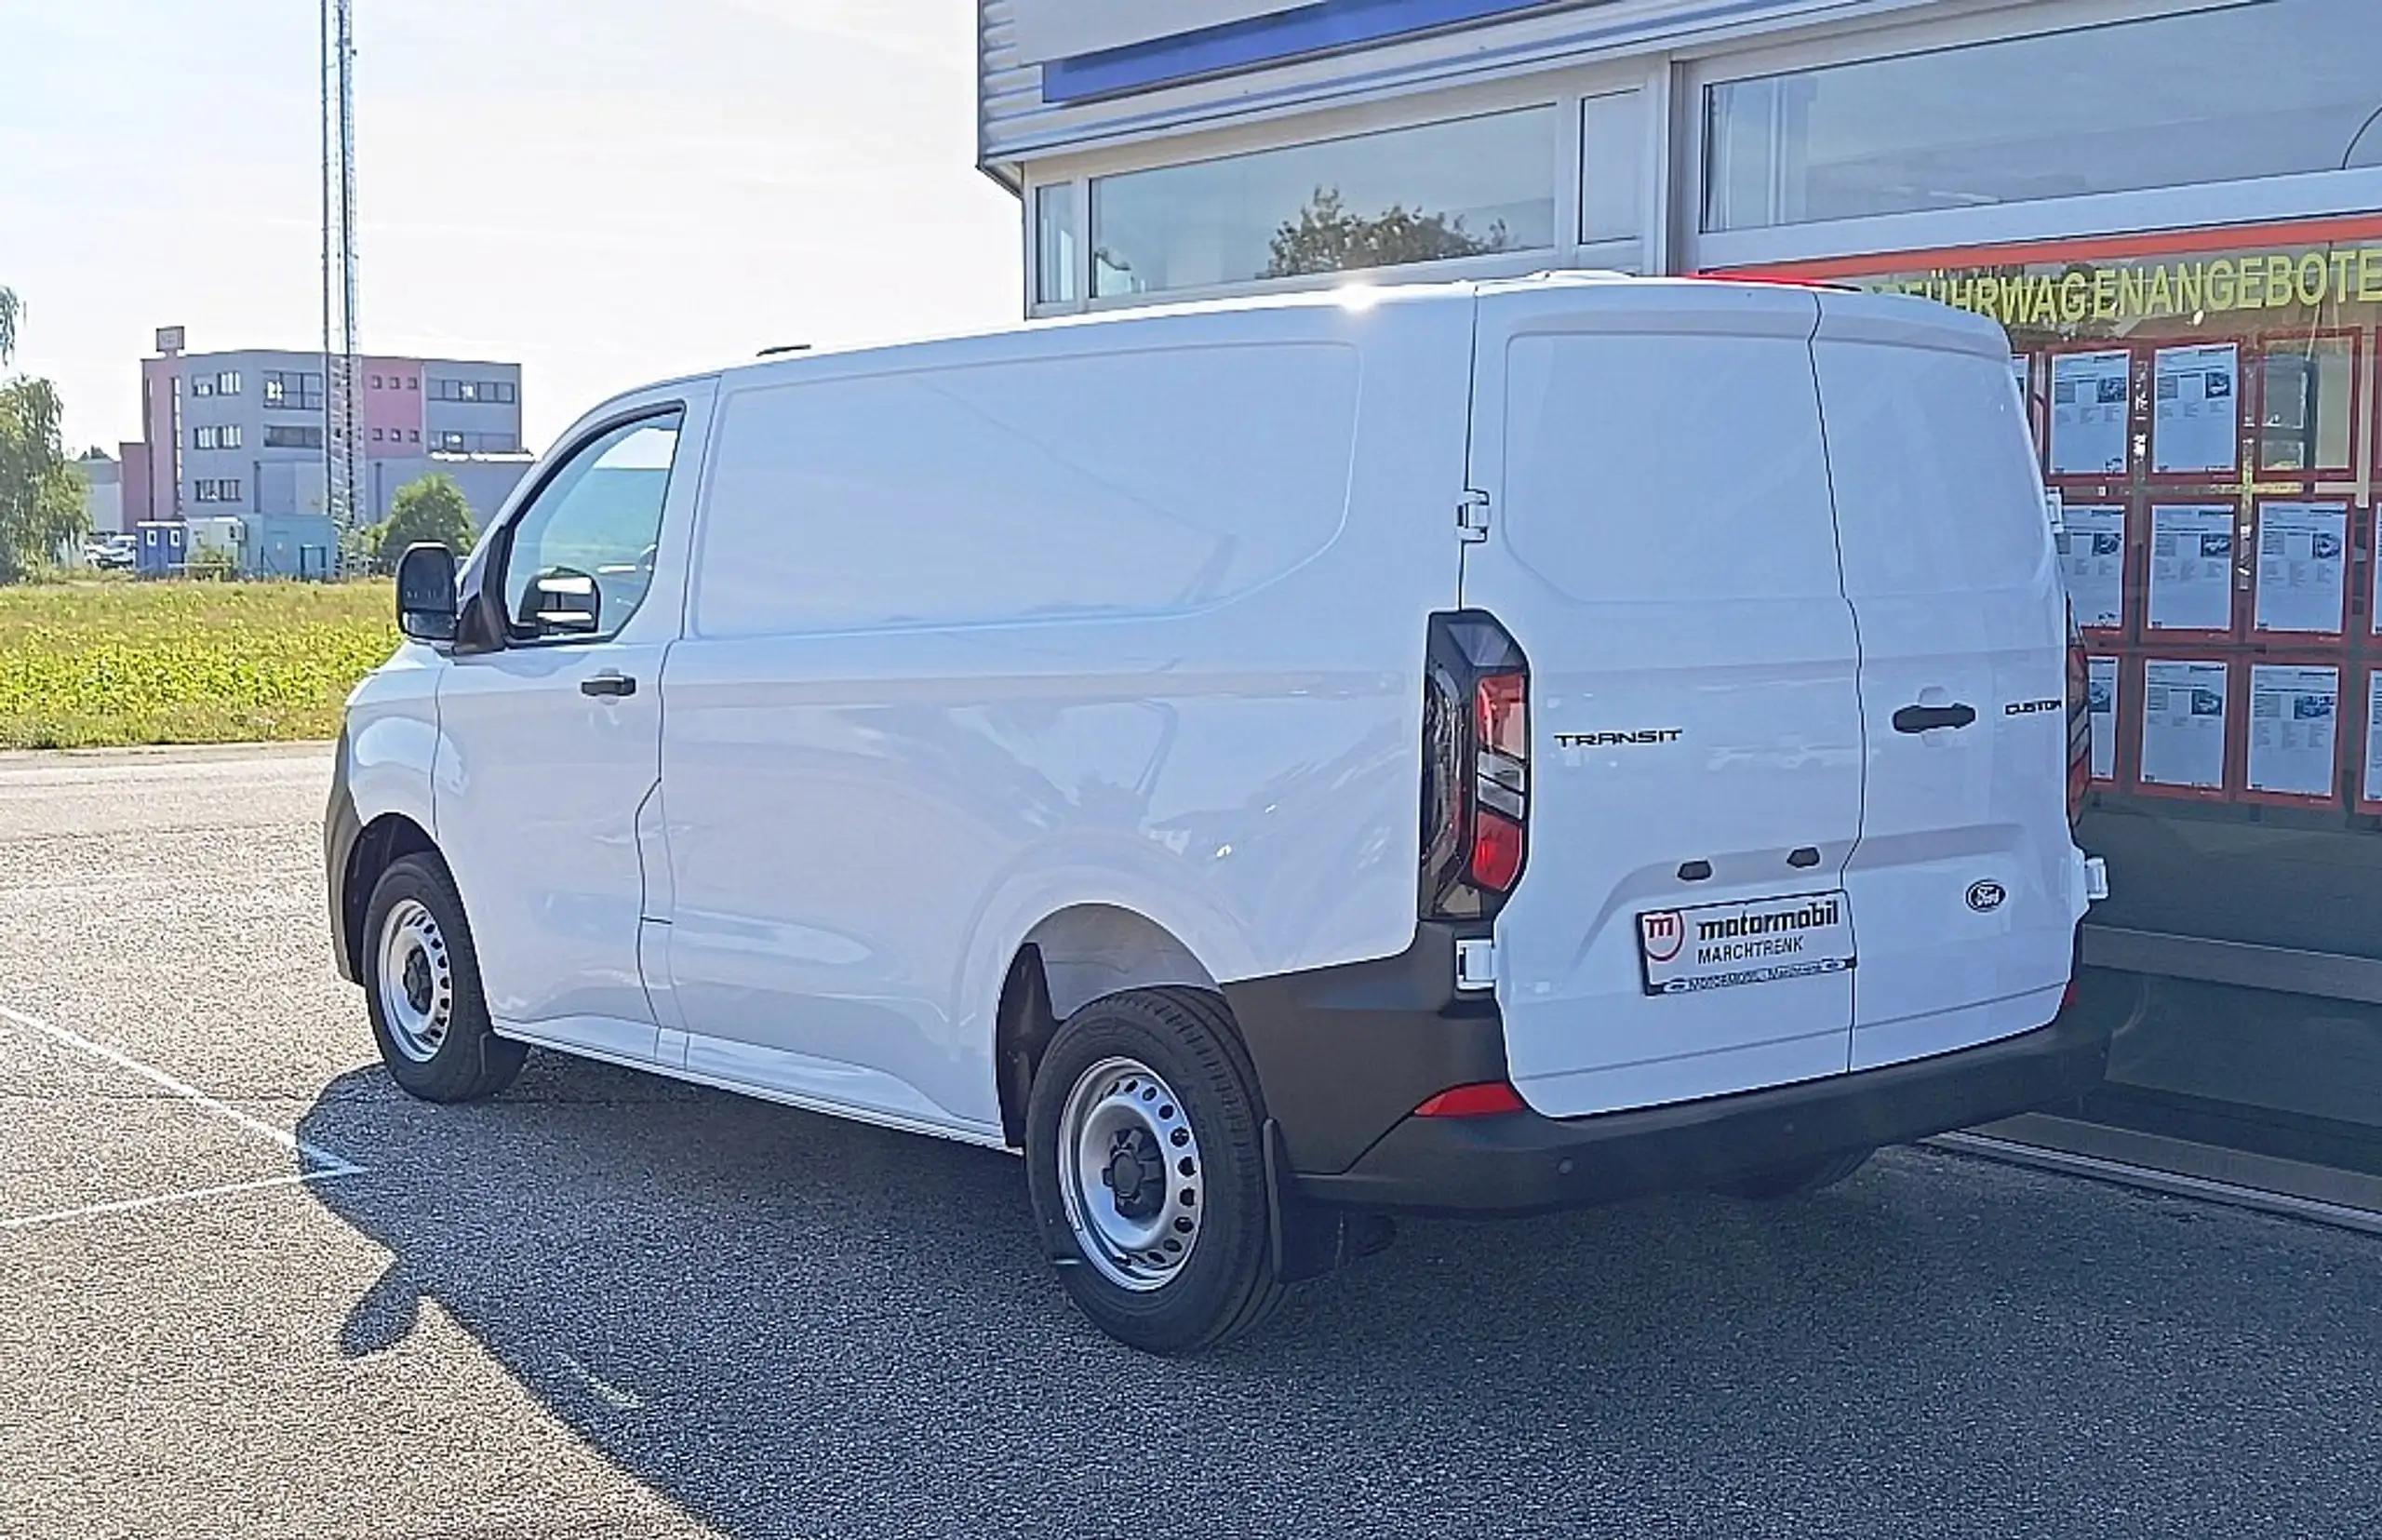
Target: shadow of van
pixel 785 1322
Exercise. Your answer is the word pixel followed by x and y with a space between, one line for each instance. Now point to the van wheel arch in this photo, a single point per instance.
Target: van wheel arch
pixel 385 841
pixel 1080 953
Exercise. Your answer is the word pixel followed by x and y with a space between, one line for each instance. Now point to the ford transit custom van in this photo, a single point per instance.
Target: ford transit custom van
pixel 1472 748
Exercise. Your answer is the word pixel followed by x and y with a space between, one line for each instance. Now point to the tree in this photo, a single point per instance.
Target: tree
pixel 1327 238
pixel 431 509
pixel 41 491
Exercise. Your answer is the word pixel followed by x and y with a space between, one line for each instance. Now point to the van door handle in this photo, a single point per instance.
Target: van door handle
pixel 611 682
pixel 1922 719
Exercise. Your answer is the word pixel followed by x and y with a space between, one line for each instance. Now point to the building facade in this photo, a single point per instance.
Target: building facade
pixel 102 491
pixel 241 432
pixel 2174 207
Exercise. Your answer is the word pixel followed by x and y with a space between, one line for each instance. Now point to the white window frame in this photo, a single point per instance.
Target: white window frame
pixel 2194 205
pixel 1563 89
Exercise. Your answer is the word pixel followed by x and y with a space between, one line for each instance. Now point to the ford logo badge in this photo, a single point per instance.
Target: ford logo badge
pixel 1987 896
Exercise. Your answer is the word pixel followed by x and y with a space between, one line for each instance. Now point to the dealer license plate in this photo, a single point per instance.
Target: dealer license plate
pixel 1714 945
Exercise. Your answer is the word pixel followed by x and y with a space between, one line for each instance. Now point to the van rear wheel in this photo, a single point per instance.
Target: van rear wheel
pixel 1148 1173
pixel 1804 1176
pixel 421 983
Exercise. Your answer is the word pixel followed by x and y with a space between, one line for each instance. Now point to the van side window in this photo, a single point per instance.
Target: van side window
pixel 1606 497
pixel 582 554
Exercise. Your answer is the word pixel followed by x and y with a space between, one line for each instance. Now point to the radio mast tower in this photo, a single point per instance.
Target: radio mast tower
pixel 339 264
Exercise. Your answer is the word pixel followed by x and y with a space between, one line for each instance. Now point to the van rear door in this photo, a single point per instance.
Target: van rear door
pixel 1965 887
pixel 1661 545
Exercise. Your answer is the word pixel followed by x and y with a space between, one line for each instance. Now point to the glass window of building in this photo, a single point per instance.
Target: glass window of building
pixel 1612 156
pixel 1054 244
pixel 1466 188
pixel 2160 102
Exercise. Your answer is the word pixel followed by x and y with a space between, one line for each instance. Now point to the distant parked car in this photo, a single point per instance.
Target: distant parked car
pixel 116 552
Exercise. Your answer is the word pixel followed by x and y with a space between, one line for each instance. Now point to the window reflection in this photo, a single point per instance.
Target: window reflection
pixel 1054 237
pixel 1613 151
pixel 1427 193
pixel 2308 389
pixel 2154 103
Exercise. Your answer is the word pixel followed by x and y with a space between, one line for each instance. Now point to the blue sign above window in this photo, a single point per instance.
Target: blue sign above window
pixel 1260 40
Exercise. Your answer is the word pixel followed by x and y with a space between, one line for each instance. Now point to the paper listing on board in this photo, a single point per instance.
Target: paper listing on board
pixel 2300 566
pixel 2183 724
pixel 2196 412
pixel 2090 412
pixel 2092 559
pixel 2191 566
pixel 2292 712
pixel 2371 787
pixel 2101 697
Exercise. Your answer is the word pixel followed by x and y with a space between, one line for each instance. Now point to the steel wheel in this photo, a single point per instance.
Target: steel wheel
pixel 417 981
pixel 1130 1175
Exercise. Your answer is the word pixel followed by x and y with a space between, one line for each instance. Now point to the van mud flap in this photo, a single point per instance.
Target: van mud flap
pixel 1306 1240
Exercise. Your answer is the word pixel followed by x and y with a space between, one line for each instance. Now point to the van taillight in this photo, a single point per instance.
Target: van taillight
pixel 2079 722
pixel 1476 765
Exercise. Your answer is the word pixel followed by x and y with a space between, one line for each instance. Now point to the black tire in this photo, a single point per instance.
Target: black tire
pixel 1807 1176
pixel 467 1062
pixel 1225 1285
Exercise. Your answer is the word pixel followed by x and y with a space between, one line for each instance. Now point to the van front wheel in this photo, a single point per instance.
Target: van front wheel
pixel 1147 1173
pixel 421 983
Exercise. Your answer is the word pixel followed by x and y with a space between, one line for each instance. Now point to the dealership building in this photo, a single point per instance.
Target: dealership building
pixel 2176 210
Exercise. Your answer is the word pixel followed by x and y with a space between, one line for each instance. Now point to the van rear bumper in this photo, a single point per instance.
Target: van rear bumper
pixel 1522 1162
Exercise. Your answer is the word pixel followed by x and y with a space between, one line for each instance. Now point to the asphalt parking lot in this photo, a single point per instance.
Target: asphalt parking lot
pixel 246 1288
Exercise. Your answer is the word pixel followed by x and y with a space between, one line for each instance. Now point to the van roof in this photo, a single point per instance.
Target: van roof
pixel 1892 311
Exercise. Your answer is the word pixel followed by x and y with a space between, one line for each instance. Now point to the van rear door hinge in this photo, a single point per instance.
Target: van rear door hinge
pixel 1472 517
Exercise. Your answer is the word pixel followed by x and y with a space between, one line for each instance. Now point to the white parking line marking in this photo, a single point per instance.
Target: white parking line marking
pixel 158 1200
pixel 321 1159
pixel 605 1391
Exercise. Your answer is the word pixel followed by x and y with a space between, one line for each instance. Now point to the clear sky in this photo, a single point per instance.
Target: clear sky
pixel 606 190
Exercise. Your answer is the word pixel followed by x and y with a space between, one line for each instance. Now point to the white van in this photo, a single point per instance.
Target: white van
pixel 1476 748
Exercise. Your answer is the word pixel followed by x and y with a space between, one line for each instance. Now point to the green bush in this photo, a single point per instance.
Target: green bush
pixel 432 509
pixel 212 565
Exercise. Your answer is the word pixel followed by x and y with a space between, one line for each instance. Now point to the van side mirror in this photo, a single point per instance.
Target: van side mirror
pixel 426 592
pixel 563 601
